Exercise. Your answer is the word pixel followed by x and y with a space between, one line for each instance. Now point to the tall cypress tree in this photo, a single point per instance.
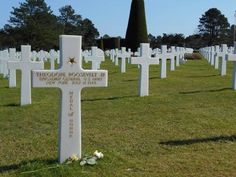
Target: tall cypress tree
pixel 137 28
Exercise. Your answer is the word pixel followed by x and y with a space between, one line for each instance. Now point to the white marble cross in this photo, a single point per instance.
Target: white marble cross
pixel 26 66
pixel 71 79
pixel 112 55
pixel 144 61
pixel 216 57
pixel 34 55
pixel 12 72
pixel 130 55
pixel 182 55
pixel 41 55
pixel 212 54
pixel 116 60
pixel 155 55
pixel 3 63
pixel 209 54
pixel 232 57
pixel 53 57
pixel 58 57
pixel 85 55
pixel 222 55
pixel 177 56
pixel 172 58
pixel 96 58
pixel 164 56
pixel 123 55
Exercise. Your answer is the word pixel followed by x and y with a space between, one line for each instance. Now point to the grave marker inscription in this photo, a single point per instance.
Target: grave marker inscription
pixel 71 79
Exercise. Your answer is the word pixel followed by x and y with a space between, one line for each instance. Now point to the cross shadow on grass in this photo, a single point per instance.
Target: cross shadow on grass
pixel 133 80
pixel 24 164
pixel 12 105
pixel 107 99
pixel 214 75
pixel 205 91
pixel 200 140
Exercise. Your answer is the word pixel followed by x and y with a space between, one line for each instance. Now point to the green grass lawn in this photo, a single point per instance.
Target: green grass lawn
pixel 185 128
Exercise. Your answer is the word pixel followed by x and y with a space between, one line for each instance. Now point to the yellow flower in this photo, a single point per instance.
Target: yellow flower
pixel 74 158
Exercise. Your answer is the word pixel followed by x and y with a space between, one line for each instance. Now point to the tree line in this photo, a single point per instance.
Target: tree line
pixel 213 29
pixel 34 23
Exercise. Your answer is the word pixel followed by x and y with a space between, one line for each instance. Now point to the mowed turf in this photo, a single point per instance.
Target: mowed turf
pixel 185 128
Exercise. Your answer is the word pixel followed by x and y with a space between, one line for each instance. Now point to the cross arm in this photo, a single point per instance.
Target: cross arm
pixel 231 57
pixel 13 65
pixel 73 79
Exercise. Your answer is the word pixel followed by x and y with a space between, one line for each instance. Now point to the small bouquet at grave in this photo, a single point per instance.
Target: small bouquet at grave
pixel 91 160
pixel 87 160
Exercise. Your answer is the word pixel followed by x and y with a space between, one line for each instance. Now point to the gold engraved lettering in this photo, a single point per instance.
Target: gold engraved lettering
pixel 71 114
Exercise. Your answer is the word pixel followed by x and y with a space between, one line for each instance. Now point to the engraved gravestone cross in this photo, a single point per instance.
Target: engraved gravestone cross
pixel 71 79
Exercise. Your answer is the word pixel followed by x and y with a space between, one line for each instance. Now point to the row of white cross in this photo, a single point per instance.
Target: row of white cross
pixel 95 55
pixel 223 53
pixel 145 57
pixel 175 54
pixel 12 55
pixel 71 79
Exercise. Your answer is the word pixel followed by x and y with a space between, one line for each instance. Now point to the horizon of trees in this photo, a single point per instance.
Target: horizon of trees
pixel 213 29
pixel 34 23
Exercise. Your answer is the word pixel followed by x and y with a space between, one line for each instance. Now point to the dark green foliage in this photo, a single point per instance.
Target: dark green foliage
pixel 155 42
pixel 73 24
pixel 29 8
pixel 195 41
pixel 100 43
pixel 166 39
pixel 34 23
pixel 213 24
pixel 109 43
pixel 230 36
pixel 122 42
pixel 173 40
pixel 137 29
pixel 89 33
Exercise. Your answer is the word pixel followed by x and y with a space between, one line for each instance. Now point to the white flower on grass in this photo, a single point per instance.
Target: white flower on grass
pixel 99 155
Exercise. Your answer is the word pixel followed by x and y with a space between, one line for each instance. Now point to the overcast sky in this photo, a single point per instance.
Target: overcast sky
pixel 111 16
